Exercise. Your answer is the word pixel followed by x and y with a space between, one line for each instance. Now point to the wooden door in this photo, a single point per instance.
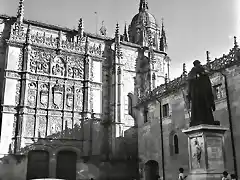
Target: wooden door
pixel 66 165
pixel 38 164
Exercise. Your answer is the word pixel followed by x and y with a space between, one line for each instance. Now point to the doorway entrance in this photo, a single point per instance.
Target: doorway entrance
pixel 66 165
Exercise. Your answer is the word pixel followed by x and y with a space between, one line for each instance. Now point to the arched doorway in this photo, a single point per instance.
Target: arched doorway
pixel 151 170
pixel 38 164
pixel 66 165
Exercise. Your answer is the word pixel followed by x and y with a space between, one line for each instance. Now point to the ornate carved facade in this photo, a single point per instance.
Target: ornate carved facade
pixel 64 89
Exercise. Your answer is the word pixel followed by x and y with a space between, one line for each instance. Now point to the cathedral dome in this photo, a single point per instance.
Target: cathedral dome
pixel 144 29
pixel 144 18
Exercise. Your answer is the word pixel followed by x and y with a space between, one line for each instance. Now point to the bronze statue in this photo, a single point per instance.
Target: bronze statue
pixel 200 95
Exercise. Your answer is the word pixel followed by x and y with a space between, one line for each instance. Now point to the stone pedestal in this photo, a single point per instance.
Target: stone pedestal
pixel 206 153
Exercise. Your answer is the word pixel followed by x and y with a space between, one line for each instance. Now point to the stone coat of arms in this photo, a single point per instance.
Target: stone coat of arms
pixel 57 95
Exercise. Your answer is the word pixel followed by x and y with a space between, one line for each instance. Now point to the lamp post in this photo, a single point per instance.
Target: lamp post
pixel 162 144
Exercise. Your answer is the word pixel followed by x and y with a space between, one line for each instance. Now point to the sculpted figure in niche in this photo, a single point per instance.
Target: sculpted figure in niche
pixel 198 152
pixel 200 96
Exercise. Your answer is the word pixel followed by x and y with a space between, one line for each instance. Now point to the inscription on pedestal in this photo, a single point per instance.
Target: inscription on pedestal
pixel 214 152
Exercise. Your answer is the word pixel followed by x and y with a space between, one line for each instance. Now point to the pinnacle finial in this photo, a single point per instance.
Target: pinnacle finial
pixel 235 42
pixel 184 70
pixel 166 78
pixel 20 12
pixel 117 30
pixel 80 27
pixel 143 6
pixel 208 57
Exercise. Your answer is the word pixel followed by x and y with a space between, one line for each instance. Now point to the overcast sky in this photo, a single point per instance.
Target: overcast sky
pixel 192 26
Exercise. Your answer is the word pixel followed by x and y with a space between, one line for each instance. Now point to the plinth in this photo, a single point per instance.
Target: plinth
pixel 206 153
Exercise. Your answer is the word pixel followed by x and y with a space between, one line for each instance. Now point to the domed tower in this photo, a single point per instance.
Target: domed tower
pixel 152 65
pixel 144 29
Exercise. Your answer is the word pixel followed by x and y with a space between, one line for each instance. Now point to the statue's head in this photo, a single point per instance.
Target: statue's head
pixel 196 63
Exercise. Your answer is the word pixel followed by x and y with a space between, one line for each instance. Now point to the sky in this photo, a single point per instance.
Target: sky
pixel 192 26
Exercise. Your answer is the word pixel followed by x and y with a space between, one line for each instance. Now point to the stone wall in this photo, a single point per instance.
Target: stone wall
pixel 149 136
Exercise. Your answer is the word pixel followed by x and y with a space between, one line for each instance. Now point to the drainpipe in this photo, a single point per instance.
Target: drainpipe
pixel 162 145
pixel 230 124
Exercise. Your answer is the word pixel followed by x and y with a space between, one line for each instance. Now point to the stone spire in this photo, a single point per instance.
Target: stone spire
pixel 163 39
pixel 117 34
pixel 80 27
pixel 208 57
pixel 20 12
pixel 235 42
pixel 117 42
pixel 143 6
pixel 184 70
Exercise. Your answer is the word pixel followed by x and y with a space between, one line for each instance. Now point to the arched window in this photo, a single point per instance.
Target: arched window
pixel 130 104
pixel 175 144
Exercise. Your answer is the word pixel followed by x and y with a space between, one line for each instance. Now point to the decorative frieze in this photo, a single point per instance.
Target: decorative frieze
pixel 12 74
pixel 41 112
pixel 95 48
pixel 9 109
pixel 41 39
pixel 68 114
pixel 29 111
pixel 55 113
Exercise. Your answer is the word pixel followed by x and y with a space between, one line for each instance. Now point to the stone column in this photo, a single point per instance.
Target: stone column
pixel 205 149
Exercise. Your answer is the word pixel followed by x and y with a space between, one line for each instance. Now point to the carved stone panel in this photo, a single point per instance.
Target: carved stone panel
pixel 41 125
pixel 96 49
pixel 75 67
pixel 29 126
pixel 32 93
pixel 40 61
pixel 58 67
pixel 54 126
pixel 78 99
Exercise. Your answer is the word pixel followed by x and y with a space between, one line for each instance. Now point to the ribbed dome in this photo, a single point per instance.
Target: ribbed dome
pixel 145 18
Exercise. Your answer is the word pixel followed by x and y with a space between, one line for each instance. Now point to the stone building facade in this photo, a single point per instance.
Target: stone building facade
pixel 68 96
pixel 162 146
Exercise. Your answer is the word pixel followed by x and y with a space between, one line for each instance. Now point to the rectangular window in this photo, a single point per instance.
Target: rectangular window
pixel 218 92
pixel 165 111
